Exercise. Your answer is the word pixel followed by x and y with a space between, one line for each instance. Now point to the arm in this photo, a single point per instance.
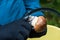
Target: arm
pixel 31 5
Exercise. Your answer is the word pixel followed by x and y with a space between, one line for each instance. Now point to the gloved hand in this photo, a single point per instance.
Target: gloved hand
pixel 38 23
pixel 18 29
pixel 39 26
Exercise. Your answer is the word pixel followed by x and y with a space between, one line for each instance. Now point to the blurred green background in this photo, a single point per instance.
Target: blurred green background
pixel 51 18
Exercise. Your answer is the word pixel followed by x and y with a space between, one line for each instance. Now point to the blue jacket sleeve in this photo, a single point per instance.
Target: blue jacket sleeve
pixel 31 5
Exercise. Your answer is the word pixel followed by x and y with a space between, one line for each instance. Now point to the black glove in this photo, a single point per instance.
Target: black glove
pixel 18 29
pixel 34 34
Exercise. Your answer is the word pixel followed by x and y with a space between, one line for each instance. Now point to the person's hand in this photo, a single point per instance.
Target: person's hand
pixel 41 24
